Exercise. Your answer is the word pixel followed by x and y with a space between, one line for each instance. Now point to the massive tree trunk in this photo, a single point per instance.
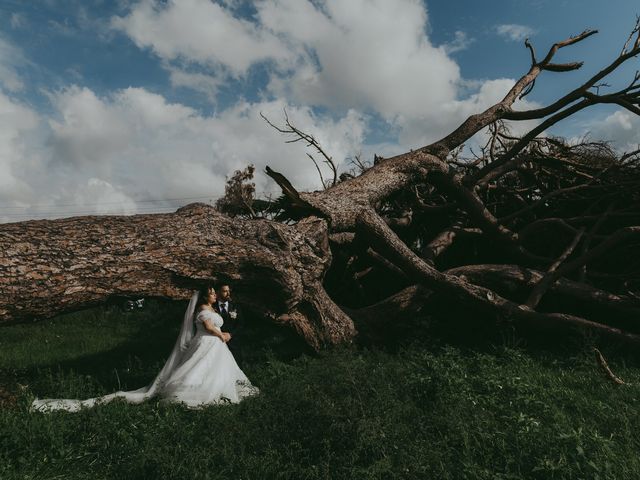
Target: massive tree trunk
pixel 529 217
pixel 47 267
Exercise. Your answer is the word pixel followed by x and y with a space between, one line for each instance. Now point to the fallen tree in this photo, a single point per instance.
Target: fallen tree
pixel 533 229
pixel 53 266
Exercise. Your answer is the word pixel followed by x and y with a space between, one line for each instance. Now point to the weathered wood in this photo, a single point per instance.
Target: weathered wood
pixel 51 266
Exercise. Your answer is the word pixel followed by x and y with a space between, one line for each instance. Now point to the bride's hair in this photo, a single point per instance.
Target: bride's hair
pixel 203 293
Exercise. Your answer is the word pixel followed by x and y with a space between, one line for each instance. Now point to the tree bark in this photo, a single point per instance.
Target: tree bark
pixel 49 267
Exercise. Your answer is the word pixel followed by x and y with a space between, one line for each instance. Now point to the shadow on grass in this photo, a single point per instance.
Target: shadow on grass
pixel 127 349
pixel 136 344
pixel 471 332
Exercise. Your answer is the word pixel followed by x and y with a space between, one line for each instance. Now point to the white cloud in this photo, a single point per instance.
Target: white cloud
pixel 514 31
pixel 10 59
pixel 326 53
pixel 381 62
pixel 621 128
pixel 321 53
pixel 16 121
pixel 200 82
pixel 134 140
pixel 102 154
pixel 99 196
pixel 460 42
pixel 370 56
pixel 200 31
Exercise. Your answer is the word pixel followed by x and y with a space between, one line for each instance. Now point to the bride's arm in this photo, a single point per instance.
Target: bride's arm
pixel 211 328
pixel 204 316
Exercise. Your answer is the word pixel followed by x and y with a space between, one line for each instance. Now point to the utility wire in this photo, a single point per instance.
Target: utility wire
pixel 130 211
pixel 82 205
pixel 24 215
pixel 105 203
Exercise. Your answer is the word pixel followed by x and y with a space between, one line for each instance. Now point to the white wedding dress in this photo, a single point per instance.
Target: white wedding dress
pixel 200 371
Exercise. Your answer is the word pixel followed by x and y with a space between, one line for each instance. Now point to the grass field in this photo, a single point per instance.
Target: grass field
pixel 428 406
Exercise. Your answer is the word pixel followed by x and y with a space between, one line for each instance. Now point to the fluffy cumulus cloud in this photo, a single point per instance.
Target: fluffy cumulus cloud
pixel 323 54
pixel 320 53
pixel 200 31
pixel 17 123
pixel 621 128
pixel 104 154
pixel 381 61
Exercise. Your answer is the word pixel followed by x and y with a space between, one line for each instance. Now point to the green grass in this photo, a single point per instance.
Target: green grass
pixel 422 409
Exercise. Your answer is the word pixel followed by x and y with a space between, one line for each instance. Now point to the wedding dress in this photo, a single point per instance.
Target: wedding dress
pixel 200 371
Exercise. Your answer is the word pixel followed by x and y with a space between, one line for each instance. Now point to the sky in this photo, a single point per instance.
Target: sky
pixel 124 107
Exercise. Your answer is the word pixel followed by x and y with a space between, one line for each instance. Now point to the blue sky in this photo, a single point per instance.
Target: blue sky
pixel 113 106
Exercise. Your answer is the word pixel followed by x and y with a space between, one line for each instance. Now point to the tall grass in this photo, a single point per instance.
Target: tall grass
pixel 423 409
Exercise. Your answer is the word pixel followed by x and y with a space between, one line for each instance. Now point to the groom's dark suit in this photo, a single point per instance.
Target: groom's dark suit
pixel 231 325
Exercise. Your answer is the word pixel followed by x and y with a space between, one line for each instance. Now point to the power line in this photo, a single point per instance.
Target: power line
pixel 82 205
pixel 86 212
pixel 51 216
pixel 112 210
pixel 13 216
pixel 50 205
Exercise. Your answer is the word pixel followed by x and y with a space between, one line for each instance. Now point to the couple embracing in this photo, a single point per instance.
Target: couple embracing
pixel 201 369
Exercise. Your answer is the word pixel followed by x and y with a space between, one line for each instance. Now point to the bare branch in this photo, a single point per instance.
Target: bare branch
pixel 629 155
pixel 288 190
pixel 565 43
pixel 511 277
pixel 635 31
pixel 508 161
pixel 299 135
pixel 575 94
pixel 531 50
pixel 385 263
pixel 324 185
pixel 590 237
pixel 605 366
pixel 383 239
pixel 551 274
pixel 616 238
pixel 502 109
pixel 563 67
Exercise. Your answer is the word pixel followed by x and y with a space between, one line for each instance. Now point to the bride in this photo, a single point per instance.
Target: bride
pixel 200 370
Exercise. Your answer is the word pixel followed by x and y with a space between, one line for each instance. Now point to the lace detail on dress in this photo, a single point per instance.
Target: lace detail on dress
pixel 205 314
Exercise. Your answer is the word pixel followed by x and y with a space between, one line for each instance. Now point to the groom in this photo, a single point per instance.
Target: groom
pixel 232 317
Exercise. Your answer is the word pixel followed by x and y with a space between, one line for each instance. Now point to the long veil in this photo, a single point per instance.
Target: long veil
pixel 132 396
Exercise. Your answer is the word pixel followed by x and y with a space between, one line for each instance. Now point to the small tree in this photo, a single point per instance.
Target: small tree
pixel 239 194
